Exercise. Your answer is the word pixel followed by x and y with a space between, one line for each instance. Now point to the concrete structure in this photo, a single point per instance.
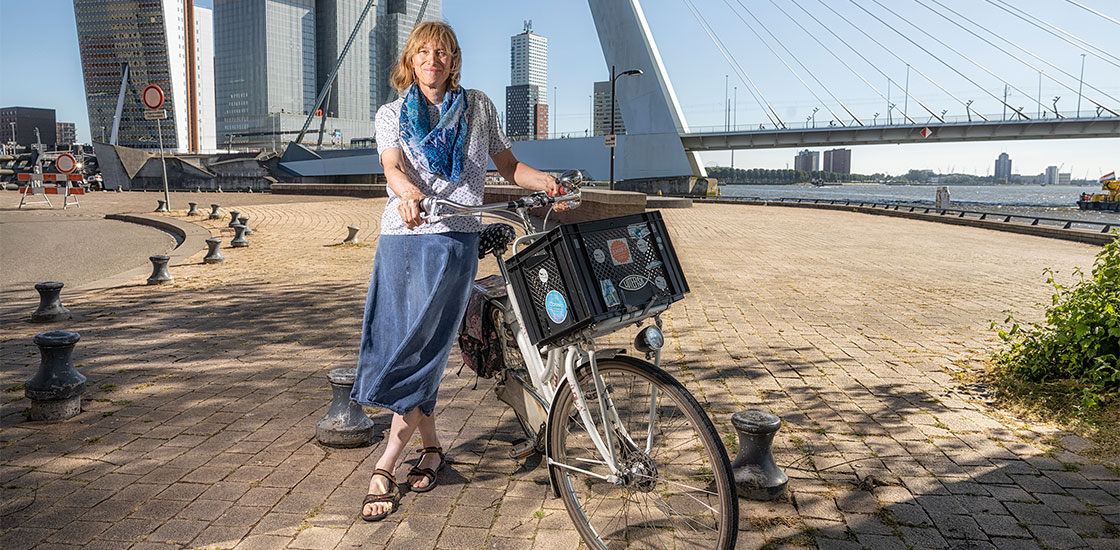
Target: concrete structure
pixel 1003 168
pixel 204 79
pixel 1051 176
pixel 18 124
pixel 65 135
pixel 809 161
pixel 838 161
pixel 150 37
pixel 1063 178
pixel 528 89
pixel 601 113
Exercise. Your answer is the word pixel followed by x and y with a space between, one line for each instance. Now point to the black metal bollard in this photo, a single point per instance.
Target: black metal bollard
pixel 345 424
pixel 214 254
pixel 214 213
pixel 239 240
pixel 162 206
pixel 50 304
pixel 757 476
pixel 244 220
pixel 56 389
pixel 352 238
pixel 194 209
pixel 159 270
pixel 233 214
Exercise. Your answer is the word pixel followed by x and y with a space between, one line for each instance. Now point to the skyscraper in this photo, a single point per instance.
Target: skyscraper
pixel 601 115
pixel 204 71
pixel 273 58
pixel 838 161
pixel 66 135
pixel 150 37
pixel 1003 168
pixel 18 124
pixel 807 160
pixel 527 94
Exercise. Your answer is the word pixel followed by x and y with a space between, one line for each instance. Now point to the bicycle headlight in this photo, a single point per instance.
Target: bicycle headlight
pixel 649 339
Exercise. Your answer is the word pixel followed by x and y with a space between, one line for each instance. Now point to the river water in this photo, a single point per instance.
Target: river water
pixel 1052 201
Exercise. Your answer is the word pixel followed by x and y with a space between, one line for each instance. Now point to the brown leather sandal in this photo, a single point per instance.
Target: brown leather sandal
pixel 392 495
pixel 429 473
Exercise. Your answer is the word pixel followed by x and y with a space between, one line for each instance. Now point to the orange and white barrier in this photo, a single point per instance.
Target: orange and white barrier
pixel 35 187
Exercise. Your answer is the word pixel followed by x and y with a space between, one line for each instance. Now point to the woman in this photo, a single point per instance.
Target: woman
pixel 434 141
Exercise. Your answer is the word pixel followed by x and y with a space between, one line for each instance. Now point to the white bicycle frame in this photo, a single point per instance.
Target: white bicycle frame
pixel 549 366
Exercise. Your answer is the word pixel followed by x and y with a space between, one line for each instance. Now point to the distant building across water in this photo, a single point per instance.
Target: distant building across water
pixel 1003 168
pixel 809 161
pixel 838 161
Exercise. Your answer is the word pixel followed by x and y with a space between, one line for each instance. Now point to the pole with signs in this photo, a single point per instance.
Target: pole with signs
pixel 153 97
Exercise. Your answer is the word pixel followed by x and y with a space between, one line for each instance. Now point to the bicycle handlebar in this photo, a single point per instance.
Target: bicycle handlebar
pixel 430 206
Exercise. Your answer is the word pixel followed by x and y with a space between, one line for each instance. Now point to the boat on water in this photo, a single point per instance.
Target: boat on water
pixel 1109 200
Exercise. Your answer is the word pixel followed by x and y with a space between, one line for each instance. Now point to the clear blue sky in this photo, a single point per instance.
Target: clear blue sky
pixel 40 65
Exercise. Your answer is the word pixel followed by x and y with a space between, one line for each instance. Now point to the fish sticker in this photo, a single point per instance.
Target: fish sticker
pixel 599 255
pixel 637 231
pixel 633 282
pixel 620 251
pixel 610 294
pixel 556 306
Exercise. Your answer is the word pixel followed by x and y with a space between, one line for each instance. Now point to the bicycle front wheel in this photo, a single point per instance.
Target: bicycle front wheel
pixel 676 489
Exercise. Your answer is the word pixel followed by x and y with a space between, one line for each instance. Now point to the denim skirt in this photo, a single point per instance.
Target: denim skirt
pixel 417 296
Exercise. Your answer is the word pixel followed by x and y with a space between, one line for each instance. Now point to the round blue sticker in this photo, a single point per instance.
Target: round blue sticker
pixel 556 306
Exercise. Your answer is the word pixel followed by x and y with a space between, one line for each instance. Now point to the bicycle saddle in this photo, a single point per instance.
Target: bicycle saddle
pixel 495 237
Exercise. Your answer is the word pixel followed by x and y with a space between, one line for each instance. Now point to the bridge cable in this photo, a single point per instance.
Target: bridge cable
pixel 890 51
pixel 838 58
pixel 1017 58
pixel 1091 10
pixel 1084 45
pixel 943 62
pixel 780 58
pixel 767 109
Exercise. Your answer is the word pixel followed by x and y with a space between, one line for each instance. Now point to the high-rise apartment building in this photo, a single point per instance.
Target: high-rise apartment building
pixel 807 160
pixel 527 94
pixel 204 74
pixel 19 124
pixel 273 58
pixel 838 161
pixel 66 134
pixel 601 111
pixel 1003 168
pixel 1051 177
pixel 150 42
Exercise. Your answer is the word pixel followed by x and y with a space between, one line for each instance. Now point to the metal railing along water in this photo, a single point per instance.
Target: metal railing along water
pixel 1003 217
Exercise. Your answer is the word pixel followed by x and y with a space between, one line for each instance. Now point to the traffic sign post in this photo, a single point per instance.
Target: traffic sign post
pixel 153 97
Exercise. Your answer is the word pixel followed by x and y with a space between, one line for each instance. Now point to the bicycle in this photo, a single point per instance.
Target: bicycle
pixel 629 450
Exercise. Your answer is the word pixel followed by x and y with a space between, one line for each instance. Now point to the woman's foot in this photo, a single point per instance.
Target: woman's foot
pixel 379 484
pixel 433 461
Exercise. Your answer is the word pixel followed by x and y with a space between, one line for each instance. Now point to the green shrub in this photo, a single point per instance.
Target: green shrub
pixel 1080 339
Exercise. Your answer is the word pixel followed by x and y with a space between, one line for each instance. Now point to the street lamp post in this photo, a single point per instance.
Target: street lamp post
pixel 614 78
pixel 13 125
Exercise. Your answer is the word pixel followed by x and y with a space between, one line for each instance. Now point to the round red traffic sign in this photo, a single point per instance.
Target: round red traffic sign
pixel 152 97
pixel 65 163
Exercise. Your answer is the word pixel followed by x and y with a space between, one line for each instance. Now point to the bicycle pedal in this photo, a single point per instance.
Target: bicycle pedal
pixel 522 450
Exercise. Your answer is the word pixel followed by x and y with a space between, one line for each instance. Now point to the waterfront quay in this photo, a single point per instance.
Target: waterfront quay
pixel 198 424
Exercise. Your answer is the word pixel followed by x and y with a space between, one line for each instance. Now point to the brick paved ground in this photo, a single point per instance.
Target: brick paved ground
pixel 199 421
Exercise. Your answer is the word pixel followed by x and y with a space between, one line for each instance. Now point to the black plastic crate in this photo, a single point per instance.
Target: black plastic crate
pixel 584 273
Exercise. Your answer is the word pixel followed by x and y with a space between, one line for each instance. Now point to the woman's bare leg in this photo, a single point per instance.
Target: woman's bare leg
pixel 400 431
pixel 427 429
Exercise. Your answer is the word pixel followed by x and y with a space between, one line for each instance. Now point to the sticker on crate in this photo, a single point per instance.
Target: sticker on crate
pixel 653 265
pixel 633 282
pixel 543 275
pixel 610 294
pixel 620 251
pixel 659 282
pixel 637 231
pixel 556 306
pixel 643 246
pixel 599 255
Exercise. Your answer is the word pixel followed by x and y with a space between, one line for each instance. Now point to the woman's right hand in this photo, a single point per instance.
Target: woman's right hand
pixel 409 209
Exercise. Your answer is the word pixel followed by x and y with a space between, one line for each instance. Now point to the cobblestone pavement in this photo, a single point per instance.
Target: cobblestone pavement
pixel 198 424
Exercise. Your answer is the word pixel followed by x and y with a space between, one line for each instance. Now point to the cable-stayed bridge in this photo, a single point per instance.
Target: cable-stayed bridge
pixel 852 34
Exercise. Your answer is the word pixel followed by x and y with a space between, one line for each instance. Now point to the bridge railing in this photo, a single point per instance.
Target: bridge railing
pixel 1003 217
pixel 894 121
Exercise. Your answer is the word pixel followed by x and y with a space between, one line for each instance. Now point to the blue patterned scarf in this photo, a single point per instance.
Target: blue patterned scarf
pixel 437 150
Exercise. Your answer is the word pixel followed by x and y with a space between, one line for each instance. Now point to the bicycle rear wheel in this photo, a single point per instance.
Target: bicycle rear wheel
pixel 679 494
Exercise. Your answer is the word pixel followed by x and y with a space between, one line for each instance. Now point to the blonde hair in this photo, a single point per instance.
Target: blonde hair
pixel 433 32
